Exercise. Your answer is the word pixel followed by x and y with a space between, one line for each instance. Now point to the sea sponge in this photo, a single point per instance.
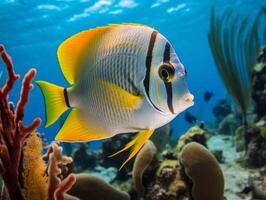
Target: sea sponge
pixel 142 161
pixel 94 188
pixel 34 166
pixel 202 173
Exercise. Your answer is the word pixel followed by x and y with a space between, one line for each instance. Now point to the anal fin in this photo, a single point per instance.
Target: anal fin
pixel 136 144
pixel 74 129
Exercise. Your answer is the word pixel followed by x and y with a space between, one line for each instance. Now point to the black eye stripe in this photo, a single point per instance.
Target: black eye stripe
pixel 166 55
pixel 168 85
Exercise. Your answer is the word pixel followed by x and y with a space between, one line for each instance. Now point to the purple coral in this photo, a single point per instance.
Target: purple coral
pixel 12 130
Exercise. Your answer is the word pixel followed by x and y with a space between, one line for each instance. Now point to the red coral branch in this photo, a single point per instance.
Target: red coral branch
pixel 12 130
pixel 65 185
pixel 56 186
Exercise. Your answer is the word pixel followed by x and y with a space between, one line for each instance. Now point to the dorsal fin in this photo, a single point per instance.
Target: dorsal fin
pixel 72 51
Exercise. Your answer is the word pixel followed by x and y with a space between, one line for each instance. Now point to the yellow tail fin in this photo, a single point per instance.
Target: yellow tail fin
pixel 137 143
pixel 55 104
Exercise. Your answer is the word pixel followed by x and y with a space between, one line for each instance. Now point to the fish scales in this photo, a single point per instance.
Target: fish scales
pixel 124 78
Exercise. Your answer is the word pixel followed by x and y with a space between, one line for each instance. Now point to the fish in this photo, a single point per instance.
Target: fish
pixel 190 118
pixel 123 78
pixel 208 95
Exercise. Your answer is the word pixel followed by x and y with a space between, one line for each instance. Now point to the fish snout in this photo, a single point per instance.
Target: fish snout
pixel 188 99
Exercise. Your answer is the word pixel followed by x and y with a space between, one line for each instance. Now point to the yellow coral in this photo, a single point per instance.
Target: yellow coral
pixel 195 133
pixel 35 180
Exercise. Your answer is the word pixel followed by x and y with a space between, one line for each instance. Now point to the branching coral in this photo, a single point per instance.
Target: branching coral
pixel 21 165
pixel 12 130
pixel 57 188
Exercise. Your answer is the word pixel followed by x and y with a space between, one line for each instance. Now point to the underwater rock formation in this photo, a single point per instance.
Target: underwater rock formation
pixel 194 134
pixel 202 173
pixel 256 151
pixel 259 84
pixel 94 188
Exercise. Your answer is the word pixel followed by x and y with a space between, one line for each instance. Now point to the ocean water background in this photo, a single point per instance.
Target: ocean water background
pixel 31 31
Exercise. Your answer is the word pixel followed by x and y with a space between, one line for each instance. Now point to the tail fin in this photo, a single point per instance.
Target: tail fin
pixel 55 104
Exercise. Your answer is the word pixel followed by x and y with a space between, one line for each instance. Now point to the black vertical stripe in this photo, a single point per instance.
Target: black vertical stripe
pixel 148 62
pixel 166 55
pixel 148 66
pixel 168 85
pixel 66 97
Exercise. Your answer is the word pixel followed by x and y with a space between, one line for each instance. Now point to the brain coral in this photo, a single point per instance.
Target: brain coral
pixel 202 173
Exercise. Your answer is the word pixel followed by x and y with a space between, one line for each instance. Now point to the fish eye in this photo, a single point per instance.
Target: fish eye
pixel 185 72
pixel 166 72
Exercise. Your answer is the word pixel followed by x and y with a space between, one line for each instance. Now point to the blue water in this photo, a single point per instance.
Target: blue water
pixel 31 31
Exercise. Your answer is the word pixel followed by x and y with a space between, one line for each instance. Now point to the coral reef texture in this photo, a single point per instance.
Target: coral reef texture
pixel 24 171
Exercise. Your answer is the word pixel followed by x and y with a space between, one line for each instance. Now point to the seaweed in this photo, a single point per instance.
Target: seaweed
pixel 235 43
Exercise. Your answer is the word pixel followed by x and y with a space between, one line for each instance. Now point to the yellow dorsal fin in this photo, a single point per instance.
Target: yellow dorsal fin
pixel 137 143
pixel 73 50
pixel 74 129
pixel 118 97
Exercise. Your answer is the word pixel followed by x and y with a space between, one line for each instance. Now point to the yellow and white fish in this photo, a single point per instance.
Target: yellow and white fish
pixel 125 78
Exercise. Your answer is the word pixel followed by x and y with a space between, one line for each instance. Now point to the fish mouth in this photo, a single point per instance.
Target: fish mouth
pixel 188 99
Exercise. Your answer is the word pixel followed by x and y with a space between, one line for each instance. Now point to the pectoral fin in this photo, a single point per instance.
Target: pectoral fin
pixel 75 129
pixel 119 97
pixel 137 143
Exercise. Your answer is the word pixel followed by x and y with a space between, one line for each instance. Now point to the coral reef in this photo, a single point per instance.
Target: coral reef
pixel 142 161
pixel 111 146
pixel 83 158
pixel 259 84
pixel 194 134
pixel 37 187
pixel 22 168
pixel 201 171
pixel 189 177
pixel 91 187
pixel 12 130
pixel 256 151
pixel 56 186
